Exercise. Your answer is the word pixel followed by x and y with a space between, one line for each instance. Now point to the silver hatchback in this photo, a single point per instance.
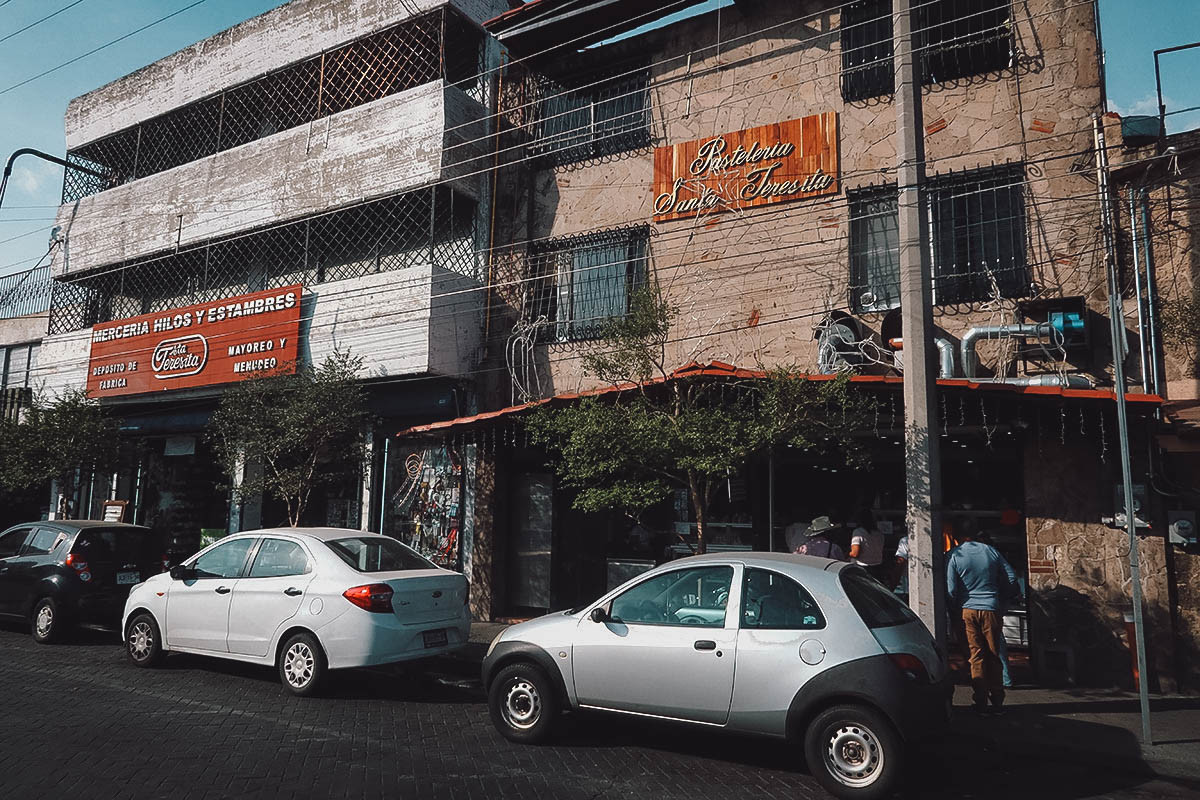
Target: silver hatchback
pixel 761 643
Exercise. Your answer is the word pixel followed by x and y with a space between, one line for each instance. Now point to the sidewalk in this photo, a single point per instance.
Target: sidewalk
pixel 1083 726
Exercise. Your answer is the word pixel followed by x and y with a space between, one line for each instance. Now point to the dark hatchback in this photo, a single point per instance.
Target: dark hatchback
pixel 59 573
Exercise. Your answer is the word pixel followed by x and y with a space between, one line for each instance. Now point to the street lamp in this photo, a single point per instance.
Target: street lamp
pixel 29 151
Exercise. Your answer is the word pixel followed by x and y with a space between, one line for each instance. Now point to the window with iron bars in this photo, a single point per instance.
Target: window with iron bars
pixel 432 225
pixel 441 44
pixel 590 117
pixel 581 282
pixel 17 365
pixel 953 39
pixel 978 240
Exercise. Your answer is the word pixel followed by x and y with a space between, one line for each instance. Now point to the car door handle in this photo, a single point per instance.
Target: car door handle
pixel 706 644
pixel 223 590
pixel 292 591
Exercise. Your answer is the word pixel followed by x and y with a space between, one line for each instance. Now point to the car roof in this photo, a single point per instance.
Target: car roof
pixel 320 534
pixel 79 524
pixel 753 558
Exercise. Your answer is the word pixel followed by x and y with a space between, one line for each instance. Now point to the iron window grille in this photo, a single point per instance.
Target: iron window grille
pixel 427 226
pixel 953 39
pixel 582 282
pixel 590 117
pixel 25 293
pixel 978 251
pixel 441 44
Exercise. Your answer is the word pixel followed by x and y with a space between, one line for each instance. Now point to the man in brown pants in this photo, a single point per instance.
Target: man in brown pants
pixel 981 583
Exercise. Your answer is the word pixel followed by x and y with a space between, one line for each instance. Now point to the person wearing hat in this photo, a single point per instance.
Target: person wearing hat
pixel 819 544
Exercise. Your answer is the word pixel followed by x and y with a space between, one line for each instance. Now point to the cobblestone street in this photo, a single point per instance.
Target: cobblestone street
pixel 79 721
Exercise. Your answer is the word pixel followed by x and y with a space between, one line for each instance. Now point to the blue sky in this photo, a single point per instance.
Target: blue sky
pixel 31 116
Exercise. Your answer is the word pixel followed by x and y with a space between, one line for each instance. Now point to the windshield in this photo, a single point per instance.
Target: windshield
pixel 106 545
pixel 378 554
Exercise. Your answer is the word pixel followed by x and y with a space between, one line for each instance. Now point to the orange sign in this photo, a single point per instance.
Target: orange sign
pixel 775 163
pixel 222 341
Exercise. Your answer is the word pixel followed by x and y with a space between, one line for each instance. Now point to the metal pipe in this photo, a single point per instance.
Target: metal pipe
pixel 1137 288
pixel 1151 301
pixel 1040 329
pixel 945 349
pixel 1117 325
pixel 29 151
pixel 771 499
pixel 387 440
pixel 1062 381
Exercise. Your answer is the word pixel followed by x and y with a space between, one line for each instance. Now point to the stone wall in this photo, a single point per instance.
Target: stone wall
pixel 750 286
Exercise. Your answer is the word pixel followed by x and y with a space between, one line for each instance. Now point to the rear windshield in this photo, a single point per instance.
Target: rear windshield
pixel 377 554
pixel 877 606
pixel 126 545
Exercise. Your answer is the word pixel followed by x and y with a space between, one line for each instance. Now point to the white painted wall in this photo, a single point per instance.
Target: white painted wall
pixel 63 362
pixel 375 150
pixel 282 36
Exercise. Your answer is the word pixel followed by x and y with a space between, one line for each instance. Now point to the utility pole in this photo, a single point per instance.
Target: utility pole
pixel 1116 317
pixel 926 561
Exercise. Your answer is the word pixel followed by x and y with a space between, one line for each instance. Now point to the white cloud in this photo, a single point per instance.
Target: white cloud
pixel 1144 106
pixel 35 177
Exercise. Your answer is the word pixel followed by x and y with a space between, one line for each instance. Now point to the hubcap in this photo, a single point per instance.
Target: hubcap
pixel 298 665
pixel 522 705
pixel 854 755
pixel 141 639
pixel 45 620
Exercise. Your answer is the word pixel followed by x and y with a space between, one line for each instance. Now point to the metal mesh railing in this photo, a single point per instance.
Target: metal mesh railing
pixel 25 293
pixel 441 44
pixel 599 118
pixel 431 225
pixel 581 282
pixel 953 38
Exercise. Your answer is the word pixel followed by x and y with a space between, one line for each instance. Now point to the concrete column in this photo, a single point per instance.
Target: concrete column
pixel 926 562
pixel 369 480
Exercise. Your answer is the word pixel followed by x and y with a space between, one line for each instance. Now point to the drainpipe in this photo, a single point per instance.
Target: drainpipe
pixel 1143 367
pixel 1041 330
pixel 1151 301
pixel 1061 381
pixel 945 350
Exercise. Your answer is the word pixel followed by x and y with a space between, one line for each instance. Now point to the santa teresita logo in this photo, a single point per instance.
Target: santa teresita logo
pixel 179 357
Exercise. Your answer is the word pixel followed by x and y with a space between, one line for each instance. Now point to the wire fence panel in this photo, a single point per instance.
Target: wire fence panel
pixel 589 117
pixel 441 44
pixel 25 293
pixel 432 225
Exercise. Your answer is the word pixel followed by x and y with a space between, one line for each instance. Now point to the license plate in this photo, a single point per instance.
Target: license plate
pixel 434 638
pixel 128 577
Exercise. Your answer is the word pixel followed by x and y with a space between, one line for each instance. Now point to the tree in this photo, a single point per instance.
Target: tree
pixel 628 450
pixel 306 429
pixel 63 439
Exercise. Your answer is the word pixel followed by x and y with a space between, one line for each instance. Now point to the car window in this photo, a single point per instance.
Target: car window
pixel 696 596
pixel 223 561
pixel 11 542
pixel 774 601
pixel 279 557
pixel 44 540
pixel 127 545
pixel 877 606
pixel 378 554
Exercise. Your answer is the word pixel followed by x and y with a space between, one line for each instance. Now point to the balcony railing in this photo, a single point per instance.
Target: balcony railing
pixel 441 44
pixel 25 293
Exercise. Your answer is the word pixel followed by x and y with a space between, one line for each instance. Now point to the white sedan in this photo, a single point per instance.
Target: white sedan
pixel 306 600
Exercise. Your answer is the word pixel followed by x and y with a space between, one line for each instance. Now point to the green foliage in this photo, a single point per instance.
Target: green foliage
pixel 305 429
pixel 1181 321
pixel 627 452
pixel 57 440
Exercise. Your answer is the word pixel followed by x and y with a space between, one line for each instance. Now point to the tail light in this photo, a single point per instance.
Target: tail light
pixel 375 597
pixel 76 562
pixel 912 667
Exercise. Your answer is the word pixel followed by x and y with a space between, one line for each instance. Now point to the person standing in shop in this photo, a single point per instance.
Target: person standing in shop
pixel 819 544
pixel 980 583
pixel 866 544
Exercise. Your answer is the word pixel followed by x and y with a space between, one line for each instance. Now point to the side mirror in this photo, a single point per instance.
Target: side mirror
pixel 600 615
pixel 180 573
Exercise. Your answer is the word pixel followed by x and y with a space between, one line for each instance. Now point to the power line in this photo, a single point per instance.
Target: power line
pixel 40 21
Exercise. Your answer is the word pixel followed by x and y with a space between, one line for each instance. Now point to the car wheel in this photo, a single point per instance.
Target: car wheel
pixel 854 752
pixel 47 623
pixel 143 642
pixel 523 703
pixel 302 664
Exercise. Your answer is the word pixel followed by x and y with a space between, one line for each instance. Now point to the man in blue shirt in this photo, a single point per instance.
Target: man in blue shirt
pixel 981 583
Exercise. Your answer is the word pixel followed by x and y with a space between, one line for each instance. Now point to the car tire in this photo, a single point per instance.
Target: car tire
pixel 302 664
pixel 143 641
pixel 523 703
pixel 854 752
pixel 46 623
